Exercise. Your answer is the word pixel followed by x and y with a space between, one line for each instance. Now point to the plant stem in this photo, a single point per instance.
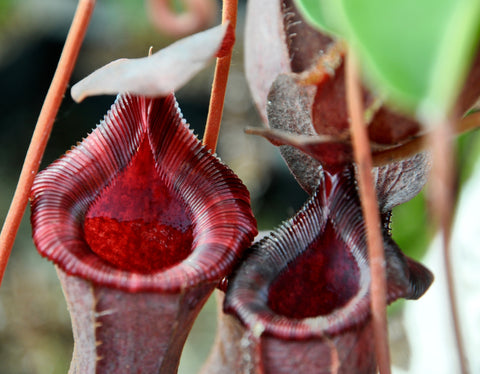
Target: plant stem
pixel 443 203
pixel 420 143
pixel 368 197
pixel 43 129
pixel 219 87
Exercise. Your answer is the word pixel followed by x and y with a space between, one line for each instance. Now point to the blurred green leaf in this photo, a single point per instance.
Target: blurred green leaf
pixel 410 227
pixel 468 151
pixel 325 15
pixel 6 7
pixel 416 53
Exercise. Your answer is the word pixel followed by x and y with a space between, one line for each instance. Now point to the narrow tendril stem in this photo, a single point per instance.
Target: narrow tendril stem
pixel 43 129
pixel 420 144
pixel 443 203
pixel 368 197
pixel 219 87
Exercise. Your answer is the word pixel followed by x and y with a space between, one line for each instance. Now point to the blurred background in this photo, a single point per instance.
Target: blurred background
pixel 35 331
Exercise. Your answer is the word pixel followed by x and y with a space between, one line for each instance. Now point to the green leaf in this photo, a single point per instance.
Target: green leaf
pixel 468 154
pixel 414 52
pixel 325 15
pixel 411 228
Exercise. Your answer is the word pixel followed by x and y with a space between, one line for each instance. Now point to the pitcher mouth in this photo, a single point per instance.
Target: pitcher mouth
pixel 321 280
pixel 310 278
pixel 271 290
pixel 90 222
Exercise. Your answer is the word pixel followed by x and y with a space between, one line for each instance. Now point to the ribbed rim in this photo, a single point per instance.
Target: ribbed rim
pixel 215 198
pixel 248 291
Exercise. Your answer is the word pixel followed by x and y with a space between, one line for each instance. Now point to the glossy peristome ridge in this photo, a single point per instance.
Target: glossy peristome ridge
pixel 215 201
pixel 333 211
pixel 273 321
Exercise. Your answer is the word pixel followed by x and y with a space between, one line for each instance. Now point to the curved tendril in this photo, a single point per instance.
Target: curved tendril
pixel 418 144
pixel 198 15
